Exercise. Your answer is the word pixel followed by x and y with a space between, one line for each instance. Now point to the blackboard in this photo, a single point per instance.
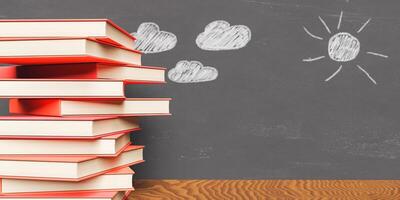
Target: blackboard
pixel 270 114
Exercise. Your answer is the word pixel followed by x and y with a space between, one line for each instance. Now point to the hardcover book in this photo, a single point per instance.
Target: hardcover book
pixel 127 73
pixel 116 180
pixel 59 88
pixel 101 29
pixel 64 127
pixel 105 146
pixel 93 195
pixel 29 51
pixel 66 168
pixel 65 107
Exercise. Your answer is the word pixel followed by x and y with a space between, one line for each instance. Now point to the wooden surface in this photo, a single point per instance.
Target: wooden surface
pixel 266 189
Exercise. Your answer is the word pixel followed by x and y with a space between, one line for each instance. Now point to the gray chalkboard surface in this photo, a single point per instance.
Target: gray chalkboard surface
pixel 280 106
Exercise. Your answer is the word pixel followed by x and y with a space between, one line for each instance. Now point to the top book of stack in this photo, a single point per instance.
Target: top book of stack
pixel 66 41
pixel 101 29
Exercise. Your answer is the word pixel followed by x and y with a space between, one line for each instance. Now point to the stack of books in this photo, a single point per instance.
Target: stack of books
pixel 68 133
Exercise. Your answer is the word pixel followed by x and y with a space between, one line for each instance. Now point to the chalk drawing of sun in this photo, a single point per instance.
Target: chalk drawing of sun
pixel 342 47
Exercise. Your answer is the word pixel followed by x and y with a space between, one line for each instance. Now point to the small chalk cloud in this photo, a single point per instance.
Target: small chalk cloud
pixel 220 35
pixel 151 40
pixel 192 72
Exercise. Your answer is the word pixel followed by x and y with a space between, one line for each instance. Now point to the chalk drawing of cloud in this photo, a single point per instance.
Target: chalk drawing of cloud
pixel 220 35
pixel 151 40
pixel 192 72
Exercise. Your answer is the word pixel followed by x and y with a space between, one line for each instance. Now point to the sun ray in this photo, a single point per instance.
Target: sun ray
pixel 340 20
pixel 312 35
pixel 334 74
pixel 364 25
pixel 366 73
pixel 324 23
pixel 313 59
pixel 377 54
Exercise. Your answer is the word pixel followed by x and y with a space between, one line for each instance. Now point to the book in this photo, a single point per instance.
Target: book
pixel 66 168
pixel 64 127
pixel 105 146
pixel 57 88
pixel 65 107
pixel 128 73
pixel 116 180
pixel 33 51
pixel 101 29
pixel 110 195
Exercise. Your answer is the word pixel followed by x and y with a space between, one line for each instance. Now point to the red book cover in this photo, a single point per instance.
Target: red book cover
pixel 67 71
pixel 50 118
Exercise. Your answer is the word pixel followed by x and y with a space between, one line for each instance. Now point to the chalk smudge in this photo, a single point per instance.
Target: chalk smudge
pixel 220 35
pixel 151 40
pixel 192 72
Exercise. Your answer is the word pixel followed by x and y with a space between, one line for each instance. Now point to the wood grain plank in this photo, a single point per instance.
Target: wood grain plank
pixel 266 189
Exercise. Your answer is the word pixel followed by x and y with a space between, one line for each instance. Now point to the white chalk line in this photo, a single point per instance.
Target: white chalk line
pixel 312 35
pixel 366 73
pixel 377 54
pixel 334 74
pixel 313 59
pixel 324 23
pixel 364 25
pixel 340 20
